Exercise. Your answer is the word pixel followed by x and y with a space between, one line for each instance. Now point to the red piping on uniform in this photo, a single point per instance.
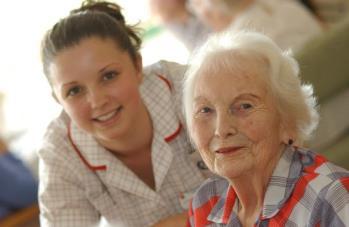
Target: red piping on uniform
pixel 93 168
pixel 175 134
pixel 168 83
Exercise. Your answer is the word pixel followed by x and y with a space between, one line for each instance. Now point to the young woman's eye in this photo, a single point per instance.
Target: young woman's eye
pixel 109 75
pixel 74 91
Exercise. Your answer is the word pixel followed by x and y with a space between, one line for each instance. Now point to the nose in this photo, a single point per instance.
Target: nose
pixel 225 125
pixel 97 98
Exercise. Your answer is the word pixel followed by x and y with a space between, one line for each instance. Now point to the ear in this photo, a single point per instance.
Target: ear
pixel 287 132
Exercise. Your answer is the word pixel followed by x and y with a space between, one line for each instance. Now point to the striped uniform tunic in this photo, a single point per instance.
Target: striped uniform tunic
pixel 304 190
pixel 83 184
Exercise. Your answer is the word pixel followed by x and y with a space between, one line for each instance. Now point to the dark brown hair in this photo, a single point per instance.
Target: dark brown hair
pixel 112 10
pixel 70 30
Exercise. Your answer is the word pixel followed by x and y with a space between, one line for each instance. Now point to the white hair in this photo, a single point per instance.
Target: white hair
pixel 295 101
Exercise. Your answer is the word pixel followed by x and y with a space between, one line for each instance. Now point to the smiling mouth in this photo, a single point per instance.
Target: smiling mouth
pixel 108 116
pixel 228 150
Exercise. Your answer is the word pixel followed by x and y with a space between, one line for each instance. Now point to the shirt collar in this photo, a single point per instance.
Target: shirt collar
pixel 156 92
pixel 226 208
pixel 282 182
pixel 280 187
pixel 87 148
pixel 158 98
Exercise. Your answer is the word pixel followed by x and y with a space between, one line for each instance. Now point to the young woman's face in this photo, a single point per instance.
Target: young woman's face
pixel 97 85
pixel 235 122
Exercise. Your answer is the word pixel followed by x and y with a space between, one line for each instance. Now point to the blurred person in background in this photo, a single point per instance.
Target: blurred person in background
pixel 178 18
pixel 288 23
pixel 18 187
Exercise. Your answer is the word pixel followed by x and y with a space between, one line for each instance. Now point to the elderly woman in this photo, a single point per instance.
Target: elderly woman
pixel 248 114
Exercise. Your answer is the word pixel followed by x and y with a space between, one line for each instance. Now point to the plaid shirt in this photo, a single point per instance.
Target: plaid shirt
pixel 81 182
pixel 304 190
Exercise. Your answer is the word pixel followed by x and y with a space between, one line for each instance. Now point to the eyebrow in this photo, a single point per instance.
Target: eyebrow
pixel 106 66
pixel 247 95
pixel 69 84
pixel 199 99
pixel 241 96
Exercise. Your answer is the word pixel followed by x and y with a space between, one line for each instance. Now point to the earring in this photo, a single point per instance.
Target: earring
pixel 290 142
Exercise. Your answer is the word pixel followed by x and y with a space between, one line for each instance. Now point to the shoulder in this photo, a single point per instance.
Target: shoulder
pixel 336 187
pixel 56 134
pixel 58 127
pixel 56 156
pixel 328 179
pixel 165 78
pixel 335 202
pixel 318 164
pixel 172 71
pixel 338 190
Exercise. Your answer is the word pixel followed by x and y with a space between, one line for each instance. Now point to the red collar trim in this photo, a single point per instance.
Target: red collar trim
pixel 76 149
pixel 168 83
pixel 175 134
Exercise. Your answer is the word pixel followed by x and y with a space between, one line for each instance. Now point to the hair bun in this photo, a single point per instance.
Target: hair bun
pixel 109 8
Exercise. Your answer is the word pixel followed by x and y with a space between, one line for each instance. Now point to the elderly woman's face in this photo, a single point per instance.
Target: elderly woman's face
pixel 235 123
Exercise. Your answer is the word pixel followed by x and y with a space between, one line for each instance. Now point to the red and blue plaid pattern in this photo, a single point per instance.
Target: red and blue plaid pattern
pixel 304 190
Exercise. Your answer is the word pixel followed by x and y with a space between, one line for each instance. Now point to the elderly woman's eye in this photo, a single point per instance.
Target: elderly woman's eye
pixel 205 110
pixel 245 106
pixel 241 108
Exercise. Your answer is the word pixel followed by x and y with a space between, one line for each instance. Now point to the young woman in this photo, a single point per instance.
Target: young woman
pixel 119 150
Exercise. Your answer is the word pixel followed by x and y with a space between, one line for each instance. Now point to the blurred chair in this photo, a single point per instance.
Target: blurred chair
pixel 27 217
pixel 324 62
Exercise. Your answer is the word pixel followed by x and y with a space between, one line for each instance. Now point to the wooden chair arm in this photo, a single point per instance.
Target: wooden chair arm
pixel 26 217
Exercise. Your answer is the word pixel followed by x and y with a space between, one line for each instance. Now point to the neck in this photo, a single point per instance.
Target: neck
pixel 250 189
pixel 141 165
pixel 250 194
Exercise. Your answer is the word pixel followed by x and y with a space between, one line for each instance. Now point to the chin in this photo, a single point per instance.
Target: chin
pixel 109 135
pixel 229 175
pixel 232 171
